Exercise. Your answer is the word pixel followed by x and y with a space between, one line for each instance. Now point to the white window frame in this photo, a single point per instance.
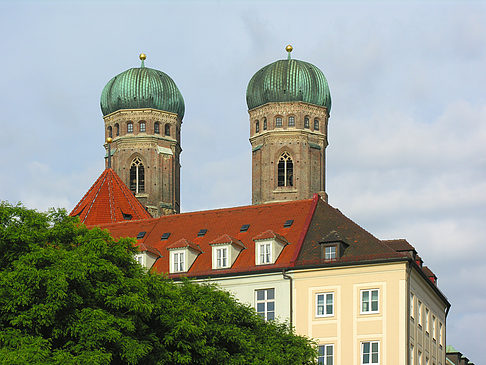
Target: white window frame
pixel 139 258
pixel 370 296
pixel 440 333
pixel 434 327
pixel 323 359
pixel 222 257
pixel 419 358
pixel 265 253
pixel 178 264
pixel 332 254
pixel 325 311
pixel 371 353
pixel 265 301
pixel 411 355
pixel 426 323
pixel 419 313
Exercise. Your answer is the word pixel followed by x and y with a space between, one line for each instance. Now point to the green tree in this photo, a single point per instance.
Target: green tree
pixel 72 295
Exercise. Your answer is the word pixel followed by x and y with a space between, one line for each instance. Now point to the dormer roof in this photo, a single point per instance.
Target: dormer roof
pixel 227 239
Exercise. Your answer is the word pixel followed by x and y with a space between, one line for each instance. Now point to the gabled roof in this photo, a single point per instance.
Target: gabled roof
pixel 269 234
pixel 399 245
pixel 108 201
pixel 226 238
pixel 183 243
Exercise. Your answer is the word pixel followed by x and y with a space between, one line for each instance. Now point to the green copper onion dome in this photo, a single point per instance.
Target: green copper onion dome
pixel 288 80
pixel 142 87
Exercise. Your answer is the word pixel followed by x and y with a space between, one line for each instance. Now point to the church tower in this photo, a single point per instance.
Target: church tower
pixel 289 104
pixel 143 110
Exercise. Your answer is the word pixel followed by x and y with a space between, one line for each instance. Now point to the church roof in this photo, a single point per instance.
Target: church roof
pixel 108 201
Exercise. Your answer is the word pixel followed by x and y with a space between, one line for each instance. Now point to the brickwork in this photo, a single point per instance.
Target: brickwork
pixel 159 153
pixel 306 144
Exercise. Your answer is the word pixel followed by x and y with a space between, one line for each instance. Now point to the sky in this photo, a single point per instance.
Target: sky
pixel 407 133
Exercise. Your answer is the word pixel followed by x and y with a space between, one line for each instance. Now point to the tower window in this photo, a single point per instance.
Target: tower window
pixel 316 124
pixel 285 170
pixel 278 122
pixel 291 121
pixel 167 129
pixel 257 126
pixel 306 122
pixel 142 126
pixel 137 176
pixel 264 124
pixel 129 127
pixel 117 129
pixel 110 132
pixel 157 128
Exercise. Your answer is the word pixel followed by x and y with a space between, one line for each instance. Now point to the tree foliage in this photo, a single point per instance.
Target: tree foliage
pixel 72 295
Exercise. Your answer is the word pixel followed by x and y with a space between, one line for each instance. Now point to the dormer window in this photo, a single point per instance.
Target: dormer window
pixel 183 253
pixel 332 246
pixel 330 253
pixel 178 260
pixel 268 246
pixel 225 250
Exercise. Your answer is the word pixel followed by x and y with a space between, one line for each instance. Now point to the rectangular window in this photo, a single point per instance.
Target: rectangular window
pixel 370 352
pixel 369 301
pixel 324 304
pixel 306 122
pixel 316 124
pixel 278 122
pixel 221 257
pixel 257 126
pixel 178 259
pixel 265 124
pixel 434 328
pixel 426 324
pixel 326 355
pixel 411 355
pixel 412 306
pixel 142 126
pixel 157 128
pixel 265 253
pixel 330 253
pixel 139 259
pixel 291 121
pixel 419 358
pixel 440 333
pixel 265 303
pixel 129 128
pixel 419 313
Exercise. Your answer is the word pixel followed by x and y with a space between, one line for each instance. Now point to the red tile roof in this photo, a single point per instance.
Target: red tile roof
pixel 109 201
pixel 225 238
pixel 269 234
pixel 222 222
pixel 182 243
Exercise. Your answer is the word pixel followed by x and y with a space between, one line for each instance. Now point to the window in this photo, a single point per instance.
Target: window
pixel 221 257
pixel 316 124
pixel 291 121
pixel 412 306
pixel 411 355
pixel 129 127
pixel 324 304
pixel 142 126
pixel 137 178
pixel 265 303
pixel 426 325
pixel 434 328
pixel 326 355
pixel 419 358
pixel 157 128
pixel 264 124
pixel 369 301
pixel 117 129
pixel 110 132
pixel 167 129
pixel 178 260
pixel 370 352
pixel 306 122
pixel 330 253
pixel 139 259
pixel 278 122
pixel 440 333
pixel 257 126
pixel 265 253
pixel 285 170
pixel 419 313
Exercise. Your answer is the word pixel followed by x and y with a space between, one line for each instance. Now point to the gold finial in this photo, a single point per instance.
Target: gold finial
pixel 289 48
pixel 143 56
pixel 109 140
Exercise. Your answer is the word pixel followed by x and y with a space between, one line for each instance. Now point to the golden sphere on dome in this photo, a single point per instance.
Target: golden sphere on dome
pixel 143 56
pixel 289 48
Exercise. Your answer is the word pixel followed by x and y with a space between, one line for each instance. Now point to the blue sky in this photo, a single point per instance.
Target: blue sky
pixel 407 134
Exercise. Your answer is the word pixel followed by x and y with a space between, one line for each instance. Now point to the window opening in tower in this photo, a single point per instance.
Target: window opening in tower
pixel 137 176
pixel 285 170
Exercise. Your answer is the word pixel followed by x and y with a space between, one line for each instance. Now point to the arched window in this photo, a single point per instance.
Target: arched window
pixel 316 124
pixel 117 129
pixel 167 129
pixel 291 121
pixel 306 122
pixel 157 128
pixel 110 131
pixel 285 170
pixel 264 124
pixel 257 126
pixel 278 122
pixel 137 176
pixel 129 127
pixel 142 126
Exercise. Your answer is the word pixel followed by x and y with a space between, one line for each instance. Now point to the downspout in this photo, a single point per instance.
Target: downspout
pixel 409 270
pixel 288 277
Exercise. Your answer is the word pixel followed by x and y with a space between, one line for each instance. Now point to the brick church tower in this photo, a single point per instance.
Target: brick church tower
pixel 289 104
pixel 143 110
